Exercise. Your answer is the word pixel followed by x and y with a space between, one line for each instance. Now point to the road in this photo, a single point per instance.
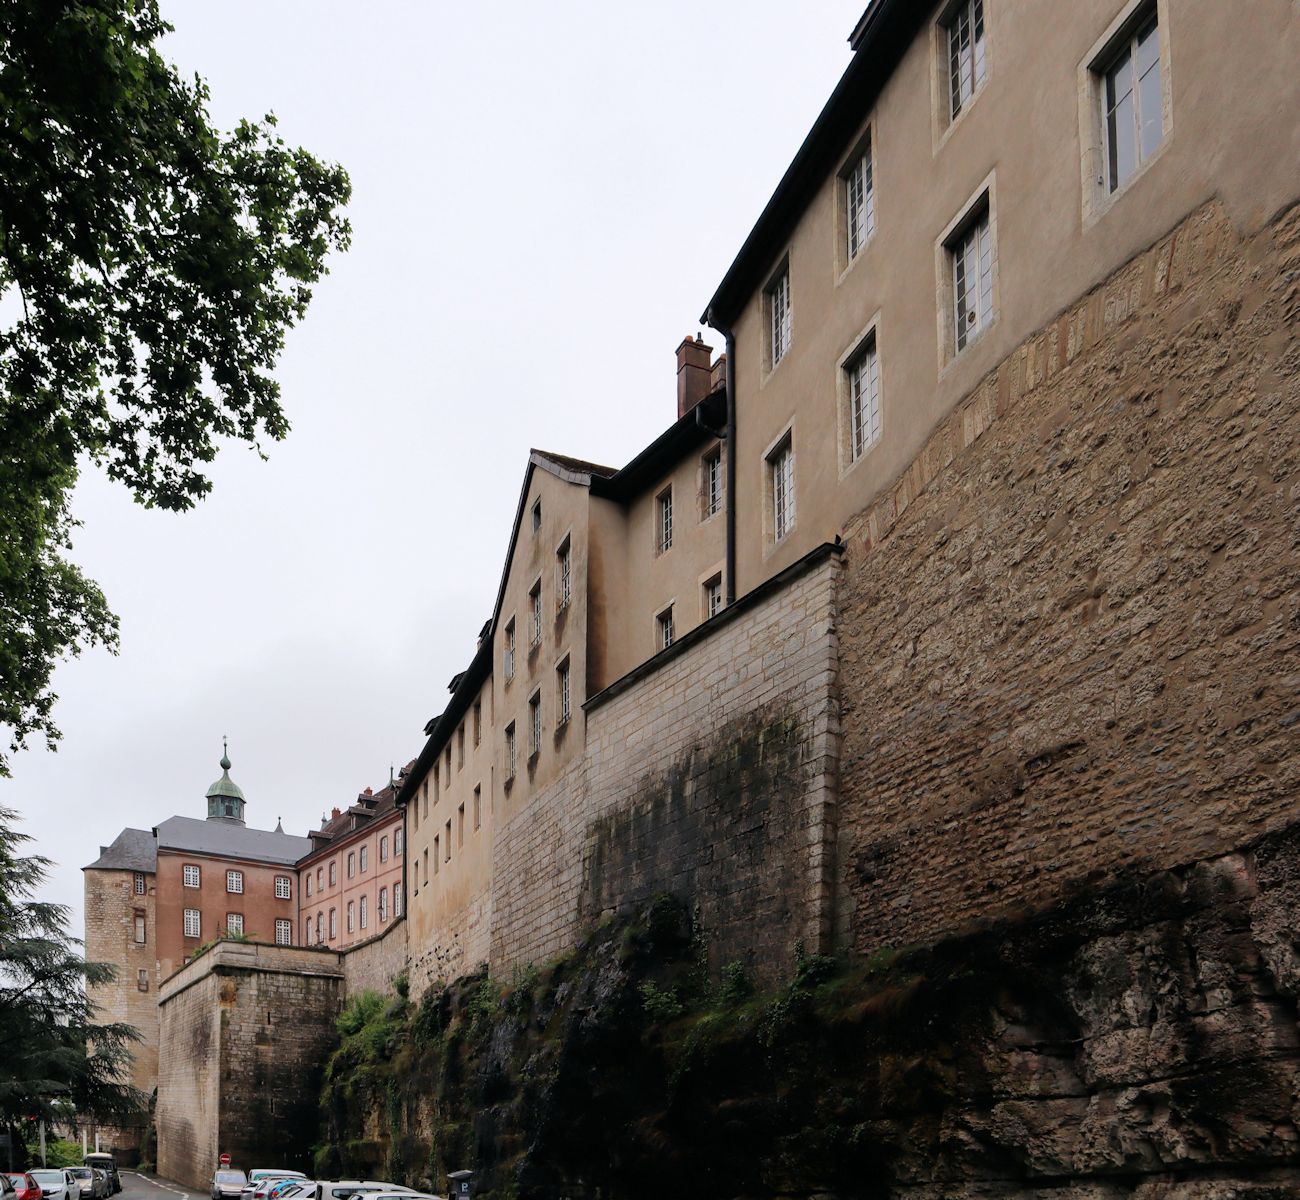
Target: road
pixel 142 1187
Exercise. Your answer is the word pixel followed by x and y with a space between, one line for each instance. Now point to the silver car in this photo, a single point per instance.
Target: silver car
pixel 57 1184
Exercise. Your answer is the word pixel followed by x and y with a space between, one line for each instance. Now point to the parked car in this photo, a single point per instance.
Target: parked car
pixel 90 1185
pixel 344 1189
pixel 8 1189
pixel 228 1184
pixel 108 1164
pixel 25 1187
pixel 57 1184
pixel 261 1178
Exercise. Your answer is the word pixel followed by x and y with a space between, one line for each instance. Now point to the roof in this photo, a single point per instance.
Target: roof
pixel 578 465
pixel 230 841
pixel 701 423
pixel 132 850
pixel 371 809
pixel 881 37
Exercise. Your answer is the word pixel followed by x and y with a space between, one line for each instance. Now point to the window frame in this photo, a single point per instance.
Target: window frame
pixel 381 905
pixel 781 518
pixel 197 915
pixel 139 886
pixel 334 924
pixel 711 590
pixel 287 892
pixel 956 104
pixel 535 609
pixel 508 650
pixel 478 805
pixel 535 724
pixel 563 574
pixel 397 900
pixel 664 520
pixel 537 515
pixel 866 344
pixel 563 693
pixel 140 927
pixel 235 924
pixel 778 316
pixel 980 207
pixel 712 483
pixel 860 162
pixel 383 848
pixel 186 868
pixel 283 925
pixel 234 878
pixel 665 627
pixel 511 752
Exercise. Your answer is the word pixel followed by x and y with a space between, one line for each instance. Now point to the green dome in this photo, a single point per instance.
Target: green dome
pixel 225 786
pixel 225 800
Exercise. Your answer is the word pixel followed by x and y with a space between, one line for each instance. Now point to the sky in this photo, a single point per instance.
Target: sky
pixel 544 199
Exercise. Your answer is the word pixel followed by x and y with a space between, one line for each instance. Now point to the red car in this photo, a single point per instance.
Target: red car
pixel 25 1187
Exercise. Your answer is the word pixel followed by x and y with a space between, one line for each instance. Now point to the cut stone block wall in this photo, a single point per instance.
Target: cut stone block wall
pixel 1070 633
pixel 373 965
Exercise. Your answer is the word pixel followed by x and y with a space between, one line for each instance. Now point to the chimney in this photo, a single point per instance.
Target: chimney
pixel 718 376
pixel 336 813
pixel 693 375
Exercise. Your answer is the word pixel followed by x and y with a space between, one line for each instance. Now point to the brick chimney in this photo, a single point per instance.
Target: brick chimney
pixel 693 375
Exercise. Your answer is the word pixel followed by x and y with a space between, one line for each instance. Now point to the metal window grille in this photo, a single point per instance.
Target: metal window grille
pixel 563 692
pixel 138 882
pixel 234 881
pixel 1134 105
pixel 864 402
pixel 860 199
pixel 191 922
pixel 666 521
pixel 965 53
pixel 713 597
pixel 535 722
pixel 510 750
pixel 972 267
pixel 190 876
pixel 666 629
pixel 712 484
pixel 283 889
pixel 779 304
pixel 509 663
pixel 283 932
pixel 235 923
pixel 782 468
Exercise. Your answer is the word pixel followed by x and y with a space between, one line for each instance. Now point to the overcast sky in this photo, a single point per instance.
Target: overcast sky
pixel 544 198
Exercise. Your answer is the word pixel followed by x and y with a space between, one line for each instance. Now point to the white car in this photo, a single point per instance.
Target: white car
pixel 344 1189
pixel 57 1184
pixel 264 1179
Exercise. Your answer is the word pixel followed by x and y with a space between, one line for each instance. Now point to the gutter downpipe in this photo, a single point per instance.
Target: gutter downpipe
pixel 729 590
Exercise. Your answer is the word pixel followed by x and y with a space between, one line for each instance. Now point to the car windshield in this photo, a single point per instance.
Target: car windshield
pixel 82 1172
pixel 44 1177
pixel 230 1177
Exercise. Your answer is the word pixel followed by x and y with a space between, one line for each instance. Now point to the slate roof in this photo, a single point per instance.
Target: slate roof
pixel 132 850
pixel 228 840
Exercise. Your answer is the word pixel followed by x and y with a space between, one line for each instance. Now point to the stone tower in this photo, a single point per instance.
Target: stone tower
pixel 225 800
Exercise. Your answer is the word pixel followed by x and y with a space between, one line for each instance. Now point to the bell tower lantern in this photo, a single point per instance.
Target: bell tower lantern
pixel 225 800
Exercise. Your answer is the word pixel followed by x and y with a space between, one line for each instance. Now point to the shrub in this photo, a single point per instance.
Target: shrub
pixel 660 1004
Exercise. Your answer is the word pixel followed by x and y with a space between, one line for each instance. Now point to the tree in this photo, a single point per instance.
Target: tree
pixel 149 270
pixel 55 1055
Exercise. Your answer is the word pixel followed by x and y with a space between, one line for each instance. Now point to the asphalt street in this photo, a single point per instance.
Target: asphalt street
pixel 149 1187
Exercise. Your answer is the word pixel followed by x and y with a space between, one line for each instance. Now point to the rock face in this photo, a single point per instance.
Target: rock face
pixel 1137 1040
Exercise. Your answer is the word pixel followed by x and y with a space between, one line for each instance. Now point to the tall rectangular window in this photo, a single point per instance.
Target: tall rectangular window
pixel 535 723
pixel 478 721
pixel 1134 104
pixel 307 883
pixel 383 905
pixel 508 663
pixel 334 872
pixel 397 899
pixel 713 597
pixel 334 923
pixel 665 502
pixel 535 606
pixel 142 979
pixel 399 841
pixel 460 827
pixel 712 481
pixel 192 922
pixel 437 854
pixel 352 916
pixel 864 400
pixel 563 575
pixel 511 751
pixel 780 469
pixel 563 701
pixel 137 883
pixel 235 924
pixel 352 864
pixel 364 911
pixel 778 316
pixel 319 879
pixel 140 928
pixel 859 203
pixel 478 805
pixel 307 929
pixel 446 846
pixel 667 630
pixel 235 881
pixel 460 748
pixel 363 857
pixel 965 53
pixel 972 280
pixel 383 849
pixel 190 875
pixel 283 932
pixel 537 515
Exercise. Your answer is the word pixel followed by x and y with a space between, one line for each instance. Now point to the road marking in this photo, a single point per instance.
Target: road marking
pixel 165 1188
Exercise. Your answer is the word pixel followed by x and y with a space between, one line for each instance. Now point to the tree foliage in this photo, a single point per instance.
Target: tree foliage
pixel 150 267
pixel 55 1054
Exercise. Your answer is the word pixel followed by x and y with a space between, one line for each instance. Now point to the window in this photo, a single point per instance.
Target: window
pixel 713 597
pixel 364 905
pixel 307 883
pixel 319 883
pixel 283 888
pixel 863 373
pixel 399 842
pixel 437 856
pixel 478 721
pixel 509 657
pixel 460 827
pixel 780 469
pixel 777 299
pixel 320 927
pixel 478 805
pixel 283 932
pixel 510 751
pixel 1133 104
pixel 139 928
pixel 965 53
pixel 712 489
pixel 192 922
pixel 142 979
pixel 447 844
pixel 535 723
pixel 460 748
pixel 563 703
pixel 563 583
pixel 352 864
pixel 190 875
pixel 352 915
pixel 535 604
pixel 972 279
pixel 363 856
pixel 334 923
pixel 859 203
pixel 383 905
pixel 397 899
pixel 137 883
pixel 665 526
pixel 334 872
pixel 664 622
pixel 235 881
pixel 448 759
pixel 383 849
pixel 235 924
pixel 425 873
pixel 537 515
pixel 306 932
pixel 424 796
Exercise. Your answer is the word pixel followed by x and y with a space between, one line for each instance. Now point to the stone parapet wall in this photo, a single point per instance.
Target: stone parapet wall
pixel 1069 633
pixel 373 965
